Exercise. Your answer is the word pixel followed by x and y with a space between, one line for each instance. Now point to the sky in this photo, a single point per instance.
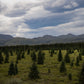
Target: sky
pixel 35 18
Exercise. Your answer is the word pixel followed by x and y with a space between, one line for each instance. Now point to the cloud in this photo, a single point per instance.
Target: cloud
pixel 33 18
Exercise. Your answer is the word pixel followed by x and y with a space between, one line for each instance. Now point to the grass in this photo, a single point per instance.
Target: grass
pixel 55 77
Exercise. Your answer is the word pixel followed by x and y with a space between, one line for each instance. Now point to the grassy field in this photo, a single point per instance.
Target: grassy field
pixel 55 77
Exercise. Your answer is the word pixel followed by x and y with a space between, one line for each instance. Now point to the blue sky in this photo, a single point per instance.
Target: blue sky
pixel 34 18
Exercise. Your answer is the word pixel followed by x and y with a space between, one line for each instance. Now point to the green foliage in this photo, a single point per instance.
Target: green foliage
pixel 81 77
pixel 70 76
pixel 72 63
pixel 41 57
pixel 23 55
pixel 80 56
pixel 62 67
pixel 1 58
pixel 77 61
pixel 7 58
pixel 11 69
pixel 34 73
pixel 60 56
pixel 16 69
pixel 33 56
pixel 67 58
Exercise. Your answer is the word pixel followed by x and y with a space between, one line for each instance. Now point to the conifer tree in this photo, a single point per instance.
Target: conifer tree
pixel 16 69
pixel 67 58
pixel 28 52
pixel 34 73
pixel 1 58
pixel 11 69
pixel 41 57
pixel 80 56
pixel 23 55
pixel 81 77
pixel 70 76
pixel 77 61
pixel 72 63
pixel 62 67
pixel 33 56
pixel 60 56
pixel 7 58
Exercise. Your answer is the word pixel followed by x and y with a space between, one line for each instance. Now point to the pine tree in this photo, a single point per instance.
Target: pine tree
pixel 80 56
pixel 67 58
pixel 60 56
pixel 34 73
pixel 62 67
pixel 33 56
pixel 23 55
pixel 81 77
pixel 11 69
pixel 28 52
pixel 7 58
pixel 70 76
pixel 41 57
pixel 72 63
pixel 77 61
pixel 1 58
pixel 16 69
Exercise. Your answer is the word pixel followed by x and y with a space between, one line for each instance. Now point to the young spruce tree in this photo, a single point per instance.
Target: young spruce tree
pixel 11 69
pixel 34 73
pixel 62 67
pixel 60 56
pixel 67 58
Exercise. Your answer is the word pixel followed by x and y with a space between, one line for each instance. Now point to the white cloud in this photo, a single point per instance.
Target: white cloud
pixel 12 17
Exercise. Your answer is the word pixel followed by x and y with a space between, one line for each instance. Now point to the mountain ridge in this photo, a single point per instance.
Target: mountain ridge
pixel 8 40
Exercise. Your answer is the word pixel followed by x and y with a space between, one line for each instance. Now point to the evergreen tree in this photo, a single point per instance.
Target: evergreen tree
pixel 70 76
pixel 41 57
pixel 72 63
pixel 16 69
pixel 34 73
pixel 60 56
pixel 62 67
pixel 77 61
pixel 19 56
pixel 33 56
pixel 51 53
pixel 7 58
pixel 81 77
pixel 1 58
pixel 67 58
pixel 49 71
pixel 28 52
pixel 23 55
pixel 80 56
pixel 11 69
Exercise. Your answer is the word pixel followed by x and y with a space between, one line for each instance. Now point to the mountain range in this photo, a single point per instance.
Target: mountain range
pixel 8 40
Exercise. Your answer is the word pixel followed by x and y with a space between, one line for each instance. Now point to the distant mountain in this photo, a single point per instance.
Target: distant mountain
pixel 4 39
pixel 47 39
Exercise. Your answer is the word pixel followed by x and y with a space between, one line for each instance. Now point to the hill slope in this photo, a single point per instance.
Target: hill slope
pixel 47 39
